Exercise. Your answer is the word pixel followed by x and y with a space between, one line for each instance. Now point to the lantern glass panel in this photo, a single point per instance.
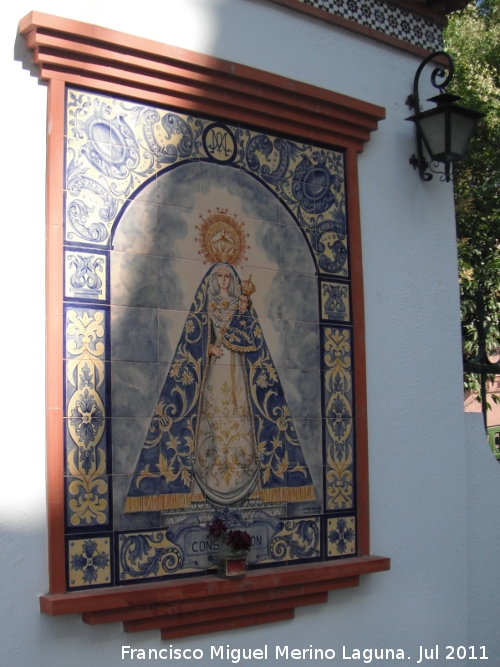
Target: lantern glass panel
pixel 462 127
pixel 433 132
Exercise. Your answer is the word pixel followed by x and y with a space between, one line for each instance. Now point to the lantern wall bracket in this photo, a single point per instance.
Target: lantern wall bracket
pixel 413 101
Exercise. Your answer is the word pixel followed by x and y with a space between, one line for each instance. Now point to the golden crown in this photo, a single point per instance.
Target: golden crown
pixel 222 238
pixel 247 286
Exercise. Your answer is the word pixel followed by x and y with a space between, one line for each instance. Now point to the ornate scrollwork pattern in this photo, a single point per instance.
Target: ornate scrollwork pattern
pixel 295 539
pixel 85 411
pixel 146 555
pixel 338 418
pixel 114 147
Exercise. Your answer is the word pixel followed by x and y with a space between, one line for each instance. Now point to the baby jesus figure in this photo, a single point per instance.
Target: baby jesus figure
pixel 239 335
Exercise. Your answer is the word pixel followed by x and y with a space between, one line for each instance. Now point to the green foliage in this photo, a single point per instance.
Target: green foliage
pixel 473 39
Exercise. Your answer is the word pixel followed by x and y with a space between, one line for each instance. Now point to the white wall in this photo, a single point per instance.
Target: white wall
pixel 418 466
pixel 483 493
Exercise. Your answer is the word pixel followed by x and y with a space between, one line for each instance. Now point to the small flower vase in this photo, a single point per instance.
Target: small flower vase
pixel 231 562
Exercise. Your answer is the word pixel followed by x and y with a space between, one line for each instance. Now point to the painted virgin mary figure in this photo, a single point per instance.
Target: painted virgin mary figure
pixel 222 428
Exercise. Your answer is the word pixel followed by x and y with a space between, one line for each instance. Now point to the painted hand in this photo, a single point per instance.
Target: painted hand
pixel 216 351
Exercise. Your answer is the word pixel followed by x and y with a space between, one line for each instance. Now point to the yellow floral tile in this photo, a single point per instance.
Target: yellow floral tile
pixel 341 536
pixel 89 562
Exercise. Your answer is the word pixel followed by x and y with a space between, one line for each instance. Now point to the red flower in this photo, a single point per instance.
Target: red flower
pixel 217 527
pixel 239 539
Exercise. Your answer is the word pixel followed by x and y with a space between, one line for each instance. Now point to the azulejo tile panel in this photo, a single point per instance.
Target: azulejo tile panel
pixel 203 379
pixel 386 18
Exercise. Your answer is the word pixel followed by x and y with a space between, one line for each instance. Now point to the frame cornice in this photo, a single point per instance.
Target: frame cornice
pixel 86 55
pixel 71 52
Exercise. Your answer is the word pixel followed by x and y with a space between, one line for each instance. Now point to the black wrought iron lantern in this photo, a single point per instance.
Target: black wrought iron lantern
pixel 446 129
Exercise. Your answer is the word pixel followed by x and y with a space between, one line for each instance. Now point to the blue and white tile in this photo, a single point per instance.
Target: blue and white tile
pixel 339 470
pixel 268 296
pixel 79 168
pixel 80 106
pixel 341 536
pixel 85 275
pixel 134 280
pixel 88 500
pixel 301 345
pixel 273 158
pixel 163 553
pixel 273 335
pixel 258 201
pixel 176 232
pixel 85 333
pixel 220 188
pixel 90 215
pixel 314 506
pixel 265 244
pixel 130 520
pixel 134 389
pixel 171 325
pixel 302 393
pixel 296 540
pixel 219 142
pixel 386 18
pixel 89 562
pixel 310 435
pixel 337 362
pixel 296 252
pixel 128 437
pixel 135 232
pixel 335 301
pixel 180 186
pixel 300 301
pixel 178 282
pixel 134 334
pixel 331 248
pixel 286 217
pixel 147 191
pixel 83 456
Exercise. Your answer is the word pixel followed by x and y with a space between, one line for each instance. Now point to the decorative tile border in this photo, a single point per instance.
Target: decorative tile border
pixel 386 18
pixel 87 487
pixel 341 536
pixel 85 275
pixel 114 147
pixel 89 562
pixel 335 302
pixel 338 427
pixel 188 547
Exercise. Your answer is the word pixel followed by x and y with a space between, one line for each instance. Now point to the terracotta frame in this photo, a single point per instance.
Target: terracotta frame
pixel 70 52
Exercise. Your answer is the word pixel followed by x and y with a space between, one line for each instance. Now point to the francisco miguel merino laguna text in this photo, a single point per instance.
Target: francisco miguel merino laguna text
pixel 235 655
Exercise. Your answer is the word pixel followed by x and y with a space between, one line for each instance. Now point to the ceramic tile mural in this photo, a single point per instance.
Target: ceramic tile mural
pixel 208 344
